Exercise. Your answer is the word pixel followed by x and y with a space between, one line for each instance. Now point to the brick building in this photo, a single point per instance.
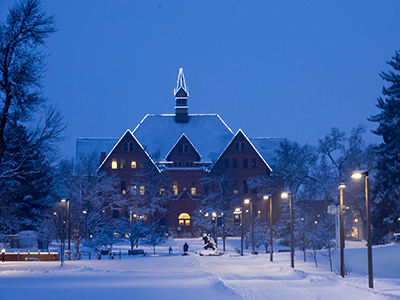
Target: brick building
pixel 184 149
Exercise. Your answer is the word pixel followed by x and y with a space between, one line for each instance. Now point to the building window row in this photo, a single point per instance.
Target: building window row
pixel 188 164
pixel 128 147
pixel 114 164
pixel 245 163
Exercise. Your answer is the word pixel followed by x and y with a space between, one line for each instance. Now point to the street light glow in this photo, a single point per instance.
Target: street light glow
pixel 246 201
pixel 284 195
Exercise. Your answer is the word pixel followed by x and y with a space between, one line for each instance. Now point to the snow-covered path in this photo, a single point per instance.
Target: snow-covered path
pixel 201 277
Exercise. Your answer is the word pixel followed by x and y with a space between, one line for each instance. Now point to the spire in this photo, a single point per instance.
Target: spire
pixel 181 95
pixel 181 83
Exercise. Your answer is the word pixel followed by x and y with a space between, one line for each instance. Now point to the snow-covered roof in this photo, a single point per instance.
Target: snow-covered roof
pixel 89 145
pixel 266 147
pixel 208 134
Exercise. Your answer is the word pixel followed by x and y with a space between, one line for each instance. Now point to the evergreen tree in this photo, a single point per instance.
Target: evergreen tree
pixel 387 205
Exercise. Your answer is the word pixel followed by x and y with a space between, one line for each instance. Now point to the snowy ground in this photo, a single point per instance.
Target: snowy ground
pixel 204 277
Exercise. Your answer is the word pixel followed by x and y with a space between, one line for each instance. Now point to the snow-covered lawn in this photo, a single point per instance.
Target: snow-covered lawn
pixel 204 277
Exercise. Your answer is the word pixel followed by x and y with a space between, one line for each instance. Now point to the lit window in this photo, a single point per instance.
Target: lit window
pixel 162 191
pixel 141 190
pixel 134 189
pixel 133 164
pixel 122 163
pixel 114 164
pixel 193 191
pixel 175 188
pixel 184 219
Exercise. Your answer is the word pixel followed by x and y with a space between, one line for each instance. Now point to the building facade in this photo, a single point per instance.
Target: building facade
pixel 179 159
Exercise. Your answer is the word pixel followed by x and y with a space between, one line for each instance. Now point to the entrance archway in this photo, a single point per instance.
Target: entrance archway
pixel 184 219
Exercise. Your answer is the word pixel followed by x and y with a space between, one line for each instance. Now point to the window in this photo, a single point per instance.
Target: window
pixel 235 187
pixel 245 163
pixel 253 163
pixel 123 187
pixel 184 219
pixel 242 146
pixel 142 190
pixel 245 187
pixel 163 221
pixel 254 190
pixel 237 146
pixel 186 148
pixel 234 163
pixel 193 188
pixel 162 191
pixel 125 147
pixel 122 163
pixel 226 163
pixel 115 214
pixel 134 189
pixel 114 164
pixel 180 148
pixel 131 147
pixel 175 188
pixel 133 164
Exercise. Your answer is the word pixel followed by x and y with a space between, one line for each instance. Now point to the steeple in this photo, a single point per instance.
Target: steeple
pixel 181 96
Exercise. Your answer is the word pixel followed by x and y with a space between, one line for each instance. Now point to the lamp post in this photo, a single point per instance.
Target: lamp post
pixel 239 211
pixel 214 219
pixel 3 254
pixel 249 201
pixel 341 230
pixel 359 175
pixel 69 227
pixel 266 197
pixel 86 225
pixel 284 196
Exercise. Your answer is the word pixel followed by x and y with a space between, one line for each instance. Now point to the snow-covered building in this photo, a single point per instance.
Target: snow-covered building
pixel 185 148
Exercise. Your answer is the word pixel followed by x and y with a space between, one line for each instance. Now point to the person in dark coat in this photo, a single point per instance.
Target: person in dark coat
pixel 185 247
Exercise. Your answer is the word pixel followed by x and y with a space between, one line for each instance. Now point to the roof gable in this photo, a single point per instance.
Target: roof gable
pixel 128 136
pixel 183 140
pixel 240 136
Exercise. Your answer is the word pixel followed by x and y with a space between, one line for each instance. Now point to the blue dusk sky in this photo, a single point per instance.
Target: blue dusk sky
pixel 289 69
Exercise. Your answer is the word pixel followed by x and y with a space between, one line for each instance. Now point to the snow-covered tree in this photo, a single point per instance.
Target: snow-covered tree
pixel 387 188
pixel 155 236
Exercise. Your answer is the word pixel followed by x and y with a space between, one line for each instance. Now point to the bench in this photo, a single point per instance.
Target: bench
pixel 284 250
pixel 136 252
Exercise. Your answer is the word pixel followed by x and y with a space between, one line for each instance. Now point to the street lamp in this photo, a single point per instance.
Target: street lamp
pixel 69 227
pixel 266 197
pixel 284 196
pixel 249 201
pixel 86 225
pixel 359 175
pixel 3 253
pixel 239 211
pixel 341 234
pixel 214 219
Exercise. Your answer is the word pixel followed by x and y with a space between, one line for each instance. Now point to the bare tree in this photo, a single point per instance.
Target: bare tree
pixel 22 63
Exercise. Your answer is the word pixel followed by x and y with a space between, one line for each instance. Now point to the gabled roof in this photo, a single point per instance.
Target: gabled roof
pixel 128 132
pixel 208 133
pixel 266 147
pixel 240 132
pixel 183 136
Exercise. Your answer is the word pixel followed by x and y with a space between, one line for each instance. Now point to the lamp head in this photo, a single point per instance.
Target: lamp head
pixel 247 201
pixel 342 186
pixel 284 195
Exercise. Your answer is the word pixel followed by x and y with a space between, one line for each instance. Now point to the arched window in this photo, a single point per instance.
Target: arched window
pixel 184 219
